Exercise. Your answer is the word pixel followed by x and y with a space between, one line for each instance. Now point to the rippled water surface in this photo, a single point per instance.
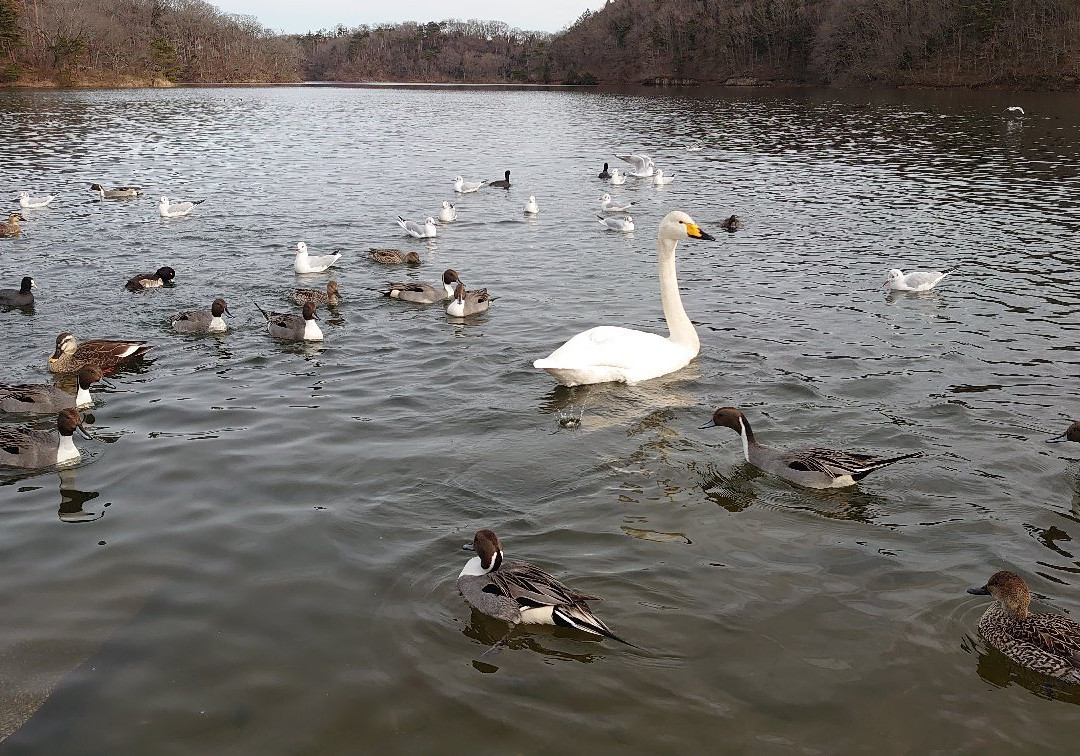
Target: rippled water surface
pixel 260 554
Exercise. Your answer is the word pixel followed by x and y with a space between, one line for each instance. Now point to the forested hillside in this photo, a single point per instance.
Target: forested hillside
pixel 1028 43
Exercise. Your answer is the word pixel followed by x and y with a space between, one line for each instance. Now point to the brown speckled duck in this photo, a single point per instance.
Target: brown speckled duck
pixel 732 224
pixel 11 228
pixel 1045 643
pixel 105 354
pixel 329 297
pixel 394 257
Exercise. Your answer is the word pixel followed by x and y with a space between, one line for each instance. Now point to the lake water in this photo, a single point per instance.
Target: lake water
pixel 260 554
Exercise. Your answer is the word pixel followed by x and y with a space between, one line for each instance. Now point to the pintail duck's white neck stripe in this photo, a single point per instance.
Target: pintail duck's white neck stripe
pixel 66 450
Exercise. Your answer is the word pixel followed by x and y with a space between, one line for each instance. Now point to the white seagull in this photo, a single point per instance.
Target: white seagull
pixel 531 208
pixel 175 210
pixel 418 230
pixel 659 179
pixel 916 280
pixel 462 186
pixel 618 178
pixel 643 165
pixel 617 224
pixel 305 263
pixel 608 205
pixel 32 203
pixel 447 213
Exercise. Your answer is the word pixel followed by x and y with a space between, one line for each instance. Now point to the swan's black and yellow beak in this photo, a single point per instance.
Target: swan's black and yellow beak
pixel 695 232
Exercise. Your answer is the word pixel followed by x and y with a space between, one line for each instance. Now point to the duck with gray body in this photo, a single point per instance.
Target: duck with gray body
pixel 812 467
pixel 329 297
pixel 1045 643
pixel 106 354
pixel 203 321
pixel 21 297
pixel 467 303
pixel 120 192
pixel 46 399
pixel 27 448
pixel 423 293
pixel 1072 433
pixel 519 592
pixel 143 281
pixel 293 327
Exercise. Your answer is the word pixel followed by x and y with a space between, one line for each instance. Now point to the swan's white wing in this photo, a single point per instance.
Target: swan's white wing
pixel 611 353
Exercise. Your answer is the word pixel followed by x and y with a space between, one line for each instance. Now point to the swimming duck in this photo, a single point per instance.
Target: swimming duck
pixel 23 447
pixel 811 467
pixel 608 205
pixel 416 230
pixel 519 592
pixel 34 203
pixel 502 184
pixel 423 293
pixel 305 263
pixel 44 399
pixel 643 165
pixel 21 297
pixel 203 321
pixel 531 208
pixel 12 227
pixel 916 280
pixel 293 327
pixel 329 297
pixel 120 192
pixel 659 179
pixel 1071 434
pixel 467 303
pixel 394 257
pixel 106 354
pixel 461 186
pixel 447 213
pixel 604 174
pixel 143 281
pixel 167 209
pixel 1046 643
pixel 625 224
pixel 732 224
pixel 611 353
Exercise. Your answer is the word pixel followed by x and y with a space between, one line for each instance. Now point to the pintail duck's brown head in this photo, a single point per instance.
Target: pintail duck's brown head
pixel 68 420
pixel 450 276
pixel 487 546
pixel 218 307
pixel 309 311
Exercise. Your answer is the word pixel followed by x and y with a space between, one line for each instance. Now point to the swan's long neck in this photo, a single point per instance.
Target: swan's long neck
pixel 679 326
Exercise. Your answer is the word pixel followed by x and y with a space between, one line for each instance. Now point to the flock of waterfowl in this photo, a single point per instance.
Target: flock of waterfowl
pixel 513 591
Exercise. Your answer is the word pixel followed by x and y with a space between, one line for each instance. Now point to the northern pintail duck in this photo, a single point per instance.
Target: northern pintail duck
pixel 447 213
pixel 120 192
pixel 394 257
pixel 12 227
pixel 732 224
pixel 531 208
pixel 608 205
pixel 42 399
pixel 604 174
pixel 203 321
pixel 293 327
pixel 521 593
pixel 34 203
pixel 169 209
pixel 106 354
pixel 419 230
pixel 423 293
pixel 23 447
pixel 1046 643
pixel 916 280
pixel 305 263
pixel 143 281
pixel 1072 433
pixel 659 179
pixel 20 297
pixel 329 297
pixel 461 186
pixel 467 303
pixel 643 164
pixel 626 355
pixel 625 224
pixel 811 467
pixel 503 183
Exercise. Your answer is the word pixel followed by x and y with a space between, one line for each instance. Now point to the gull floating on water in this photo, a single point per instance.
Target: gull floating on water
pixel 169 209
pixel 120 192
pixel 617 177
pixel 305 263
pixel 418 230
pixel 916 280
pixel 659 179
pixel 608 205
pixel 643 165
pixel 464 187
pixel 447 213
pixel 531 208
pixel 32 203
pixel 617 224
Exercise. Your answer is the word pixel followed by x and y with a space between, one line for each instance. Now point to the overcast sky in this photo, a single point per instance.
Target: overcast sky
pixel 292 16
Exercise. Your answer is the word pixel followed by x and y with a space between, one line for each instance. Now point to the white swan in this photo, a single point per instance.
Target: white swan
pixel 610 353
